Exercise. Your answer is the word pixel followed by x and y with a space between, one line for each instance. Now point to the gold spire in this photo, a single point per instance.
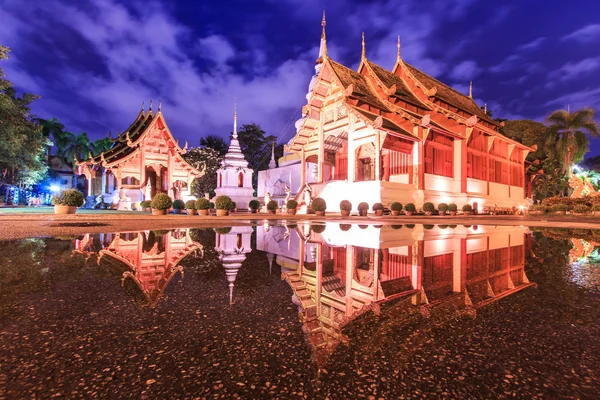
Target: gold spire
pixel 398 54
pixel 471 89
pixel 159 104
pixel 150 108
pixel 485 108
pixel 143 106
pixel 323 36
pixel 364 51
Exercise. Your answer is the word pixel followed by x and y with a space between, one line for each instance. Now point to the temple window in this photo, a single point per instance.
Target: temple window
pixel 498 162
pixel 477 157
pixel 439 155
pixel 220 180
pixel 516 168
pixel 241 179
pixel 365 162
pixel 437 275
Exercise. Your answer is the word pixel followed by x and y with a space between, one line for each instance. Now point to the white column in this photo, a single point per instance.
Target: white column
pixel 103 189
pixel 377 155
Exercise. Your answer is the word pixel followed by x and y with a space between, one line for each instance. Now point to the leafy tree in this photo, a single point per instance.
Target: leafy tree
pixel 22 144
pixel 568 135
pixel 256 146
pixel 207 160
pixel 101 145
pixel 78 149
pixel 50 128
pixel 215 142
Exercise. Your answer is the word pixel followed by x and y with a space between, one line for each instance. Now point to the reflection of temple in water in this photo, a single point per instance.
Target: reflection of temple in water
pixel 233 244
pixel 340 271
pixel 152 257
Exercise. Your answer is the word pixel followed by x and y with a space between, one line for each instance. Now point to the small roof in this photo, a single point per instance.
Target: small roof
pixel 402 91
pixel 360 86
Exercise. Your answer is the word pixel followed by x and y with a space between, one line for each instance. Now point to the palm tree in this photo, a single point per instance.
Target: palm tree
pixel 101 145
pixel 50 127
pixel 568 134
pixel 78 149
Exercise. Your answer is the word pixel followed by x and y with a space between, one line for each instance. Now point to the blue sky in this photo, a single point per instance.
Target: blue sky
pixel 94 61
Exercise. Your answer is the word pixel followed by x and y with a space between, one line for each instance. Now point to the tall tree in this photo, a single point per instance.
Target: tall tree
pixel 51 128
pixel 215 142
pixel 22 144
pixel 568 134
pixel 256 146
pixel 101 145
pixel 207 160
pixel 78 149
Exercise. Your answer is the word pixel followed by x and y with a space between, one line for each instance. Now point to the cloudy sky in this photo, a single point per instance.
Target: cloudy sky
pixel 95 61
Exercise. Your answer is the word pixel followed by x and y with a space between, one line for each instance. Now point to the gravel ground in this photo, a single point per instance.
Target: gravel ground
pixel 69 329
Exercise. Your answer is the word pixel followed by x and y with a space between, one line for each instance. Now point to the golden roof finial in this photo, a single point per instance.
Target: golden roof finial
pixel 159 104
pixel 323 36
pixel 143 108
pixel 471 89
pixel 485 108
pixel 235 108
pixel 398 54
pixel 364 51
pixel 150 108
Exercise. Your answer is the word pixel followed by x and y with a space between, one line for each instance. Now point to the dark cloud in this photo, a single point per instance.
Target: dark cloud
pixel 94 62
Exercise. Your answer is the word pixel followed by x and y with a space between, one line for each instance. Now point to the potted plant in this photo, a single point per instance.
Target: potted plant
pixel 378 209
pixel 291 206
pixel 67 201
pixel 452 208
pixel 190 207
pixel 442 208
pixel 319 206
pixel 161 202
pixel 233 206
pixel 272 206
pixel 396 207
pixel 396 227
pixel 318 228
pixel 254 205
pixel 363 208
pixel 223 231
pixel 581 209
pixel 146 205
pixel 467 209
pixel 223 205
pixel 596 210
pixel 345 208
pixel 178 205
pixel 559 209
pixel 409 209
pixel 202 205
pixel 428 208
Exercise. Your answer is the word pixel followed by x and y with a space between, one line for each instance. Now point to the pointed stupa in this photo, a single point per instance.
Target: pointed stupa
pixel 398 58
pixel 234 156
pixel 319 63
pixel 471 89
pixel 272 163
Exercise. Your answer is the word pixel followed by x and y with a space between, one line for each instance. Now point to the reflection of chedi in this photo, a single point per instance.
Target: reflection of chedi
pixel 152 257
pixel 233 244
pixel 345 270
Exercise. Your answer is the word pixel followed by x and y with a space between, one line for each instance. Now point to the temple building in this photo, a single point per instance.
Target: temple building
pixel 144 160
pixel 234 178
pixel 382 136
pixel 233 244
pixel 338 272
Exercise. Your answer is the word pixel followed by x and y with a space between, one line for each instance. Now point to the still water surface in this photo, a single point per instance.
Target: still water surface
pixel 303 311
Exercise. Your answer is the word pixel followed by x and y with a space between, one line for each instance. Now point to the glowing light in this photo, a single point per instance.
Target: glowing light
pixel 54 188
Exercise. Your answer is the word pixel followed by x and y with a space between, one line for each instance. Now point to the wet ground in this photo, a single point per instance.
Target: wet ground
pixel 71 326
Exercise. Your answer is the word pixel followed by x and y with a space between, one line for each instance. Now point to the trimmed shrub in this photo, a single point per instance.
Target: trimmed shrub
pixel 318 228
pixel 178 205
pixel 452 207
pixel 318 204
pixel 233 206
pixel 202 204
pixel 467 207
pixel 538 207
pixel 146 204
pixel 272 205
pixel 428 226
pixel 345 227
pixel 396 227
pixel 223 231
pixel 363 206
pixel 581 209
pixel 223 203
pixel 596 207
pixel 254 204
pixel 410 207
pixel 377 206
pixel 212 205
pixel 428 207
pixel 190 205
pixel 345 205
pixel 292 204
pixel 161 201
pixel 443 207
pixel 396 206
pixel 410 226
pixel 68 197
pixel 558 207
